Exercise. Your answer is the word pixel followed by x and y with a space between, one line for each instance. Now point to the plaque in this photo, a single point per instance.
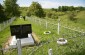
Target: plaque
pixel 21 31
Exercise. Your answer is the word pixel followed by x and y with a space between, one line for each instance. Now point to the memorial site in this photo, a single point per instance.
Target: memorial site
pixel 42 27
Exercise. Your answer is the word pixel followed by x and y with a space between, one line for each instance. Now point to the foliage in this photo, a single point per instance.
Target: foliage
pixel 52 14
pixel 80 8
pixel 49 14
pixel 11 8
pixel 53 9
pixel 23 11
pixel 72 17
pixel 70 8
pixel 59 8
pixel 81 17
pixel 2 14
pixel 36 10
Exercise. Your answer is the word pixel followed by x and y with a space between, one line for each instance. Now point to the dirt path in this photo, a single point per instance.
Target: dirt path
pixel 6 45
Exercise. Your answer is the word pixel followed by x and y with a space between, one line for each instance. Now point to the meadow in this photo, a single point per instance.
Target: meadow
pixel 76 40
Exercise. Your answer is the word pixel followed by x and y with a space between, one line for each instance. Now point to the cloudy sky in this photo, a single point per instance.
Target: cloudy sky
pixel 51 3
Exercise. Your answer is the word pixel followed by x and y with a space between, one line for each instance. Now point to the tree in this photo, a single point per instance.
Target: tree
pixel 23 11
pixel 66 8
pixel 71 8
pixel 36 9
pixel 59 8
pixel 2 14
pixel 11 8
pixel 53 9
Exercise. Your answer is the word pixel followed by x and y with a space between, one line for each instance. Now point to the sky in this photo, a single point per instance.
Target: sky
pixel 51 3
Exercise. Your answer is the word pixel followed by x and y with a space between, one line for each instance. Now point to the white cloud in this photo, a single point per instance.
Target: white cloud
pixel 24 5
pixel 50 4
pixel 44 3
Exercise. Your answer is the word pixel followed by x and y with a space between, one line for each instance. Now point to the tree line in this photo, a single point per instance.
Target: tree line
pixel 70 8
pixel 37 10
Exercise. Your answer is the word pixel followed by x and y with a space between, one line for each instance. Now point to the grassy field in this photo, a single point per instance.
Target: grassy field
pixel 76 40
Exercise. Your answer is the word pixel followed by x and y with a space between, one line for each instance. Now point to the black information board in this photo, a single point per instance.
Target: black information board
pixel 21 31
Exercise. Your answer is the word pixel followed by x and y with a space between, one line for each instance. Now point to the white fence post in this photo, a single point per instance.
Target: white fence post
pixel 19 47
pixel 50 52
pixel 58 26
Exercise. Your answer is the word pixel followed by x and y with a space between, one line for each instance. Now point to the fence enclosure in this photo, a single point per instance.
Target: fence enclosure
pixel 4 24
pixel 73 33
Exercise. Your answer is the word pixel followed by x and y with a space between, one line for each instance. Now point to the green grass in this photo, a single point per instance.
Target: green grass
pixel 75 46
pixel 4 35
pixel 71 47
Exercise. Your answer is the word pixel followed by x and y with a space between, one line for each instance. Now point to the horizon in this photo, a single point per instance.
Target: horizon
pixel 51 3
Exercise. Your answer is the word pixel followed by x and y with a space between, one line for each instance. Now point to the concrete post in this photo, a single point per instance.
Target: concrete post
pixel 50 52
pixel 19 47
pixel 58 26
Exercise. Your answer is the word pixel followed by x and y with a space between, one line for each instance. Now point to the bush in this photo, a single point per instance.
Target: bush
pixel 72 17
pixel 2 14
pixel 54 16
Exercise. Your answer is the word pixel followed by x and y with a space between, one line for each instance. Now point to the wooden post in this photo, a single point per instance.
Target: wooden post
pixel 19 47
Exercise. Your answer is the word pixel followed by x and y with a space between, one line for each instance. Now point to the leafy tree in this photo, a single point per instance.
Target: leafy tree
pixel 51 14
pixel 71 8
pixel 11 8
pixel 23 11
pixel 59 8
pixel 2 14
pixel 36 9
pixel 63 8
